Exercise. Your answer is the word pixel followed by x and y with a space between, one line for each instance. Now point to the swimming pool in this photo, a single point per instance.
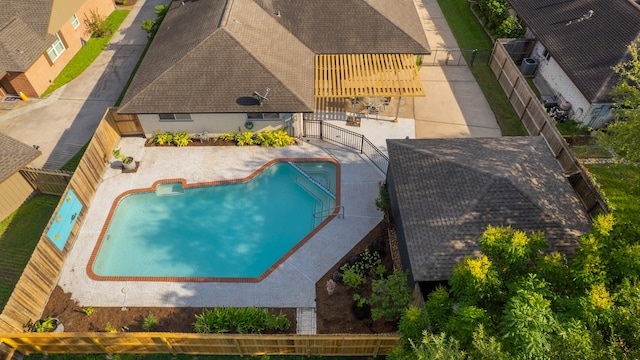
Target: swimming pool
pixel 221 231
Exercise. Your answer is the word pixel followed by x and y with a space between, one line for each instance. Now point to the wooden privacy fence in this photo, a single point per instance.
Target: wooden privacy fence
pixel 41 273
pixel 219 344
pixel 537 122
pixel 47 181
pixel 125 124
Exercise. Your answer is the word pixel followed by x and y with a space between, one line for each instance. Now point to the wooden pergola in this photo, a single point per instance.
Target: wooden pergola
pixel 360 75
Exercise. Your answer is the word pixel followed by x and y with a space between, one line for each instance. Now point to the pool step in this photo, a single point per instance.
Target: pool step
pixel 316 182
pixel 169 189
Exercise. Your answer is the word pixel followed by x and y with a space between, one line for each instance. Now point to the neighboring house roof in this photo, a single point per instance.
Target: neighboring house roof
pixel 211 55
pixel 14 155
pixel 585 49
pixel 23 33
pixel 448 191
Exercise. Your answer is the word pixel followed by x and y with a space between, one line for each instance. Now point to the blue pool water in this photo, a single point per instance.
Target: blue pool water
pixel 235 230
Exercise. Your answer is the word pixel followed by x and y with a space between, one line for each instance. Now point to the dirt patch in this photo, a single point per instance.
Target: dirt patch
pixel 334 312
pixel 178 319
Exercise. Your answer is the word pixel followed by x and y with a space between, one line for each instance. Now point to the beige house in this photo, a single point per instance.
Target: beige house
pixel 14 155
pixel 38 38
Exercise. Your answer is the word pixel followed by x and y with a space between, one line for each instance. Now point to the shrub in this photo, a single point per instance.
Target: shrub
pixel 97 27
pixel 391 296
pixel 243 320
pixel 109 328
pixel 270 138
pixel 383 202
pixel 352 278
pixel 88 311
pixel 227 137
pixel 245 138
pixel 151 25
pixel 181 139
pixel 413 323
pixel 439 308
pixel 149 322
pixel 161 138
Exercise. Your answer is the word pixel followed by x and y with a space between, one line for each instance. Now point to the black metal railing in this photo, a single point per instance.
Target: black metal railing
pixel 319 129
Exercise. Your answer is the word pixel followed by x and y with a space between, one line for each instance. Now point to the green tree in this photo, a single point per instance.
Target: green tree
pixel 390 297
pixel 438 347
pixel 528 324
pixel 623 135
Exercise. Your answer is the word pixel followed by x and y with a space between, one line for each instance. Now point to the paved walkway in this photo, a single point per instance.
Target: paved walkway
pixel 292 284
pixel 65 121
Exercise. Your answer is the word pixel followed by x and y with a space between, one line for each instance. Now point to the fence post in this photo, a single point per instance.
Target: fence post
pixel 321 123
pixel 361 143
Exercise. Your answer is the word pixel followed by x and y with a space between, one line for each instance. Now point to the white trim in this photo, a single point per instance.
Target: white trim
pixel 56 49
pixel 75 22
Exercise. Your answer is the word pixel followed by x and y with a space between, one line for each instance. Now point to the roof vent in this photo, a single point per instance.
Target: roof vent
pixel 278 13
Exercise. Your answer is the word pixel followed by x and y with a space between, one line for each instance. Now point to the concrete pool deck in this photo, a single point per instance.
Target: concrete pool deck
pixel 292 284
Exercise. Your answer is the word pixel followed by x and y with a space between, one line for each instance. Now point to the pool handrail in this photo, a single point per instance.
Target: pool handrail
pixel 340 213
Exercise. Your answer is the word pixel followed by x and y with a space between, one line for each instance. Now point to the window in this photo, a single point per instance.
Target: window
pixel 546 55
pixel 174 117
pixel 56 49
pixel 75 21
pixel 263 116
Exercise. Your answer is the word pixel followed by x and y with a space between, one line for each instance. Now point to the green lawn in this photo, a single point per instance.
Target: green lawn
pixel 620 184
pixel 87 53
pixel 469 35
pixel 19 234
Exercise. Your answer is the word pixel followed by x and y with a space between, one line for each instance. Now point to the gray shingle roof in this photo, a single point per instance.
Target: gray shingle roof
pixel 23 33
pixel 14 155
pixel 210 54
pixel 586 50
pixel 449 190
pixel 352 26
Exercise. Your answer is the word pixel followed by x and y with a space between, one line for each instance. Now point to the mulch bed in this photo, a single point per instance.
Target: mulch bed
pixel 198 142
pixel 334 315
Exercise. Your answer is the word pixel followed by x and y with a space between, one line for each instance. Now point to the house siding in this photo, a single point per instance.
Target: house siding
pixel 214 124
pixel 42 73
pixel 583 111
pixel 15 190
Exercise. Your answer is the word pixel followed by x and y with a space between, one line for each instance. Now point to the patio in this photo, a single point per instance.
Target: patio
pixel 359 183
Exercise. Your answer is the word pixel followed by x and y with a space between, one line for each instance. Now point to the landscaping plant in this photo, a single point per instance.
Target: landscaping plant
pixel 109 328
pixel 390 297
pixel 88 310
pixel 516 302
pixel 149 322
pixel 249 320
pixel 96 25
pixel 181 139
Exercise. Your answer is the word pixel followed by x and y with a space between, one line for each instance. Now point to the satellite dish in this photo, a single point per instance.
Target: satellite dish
pixel 262 98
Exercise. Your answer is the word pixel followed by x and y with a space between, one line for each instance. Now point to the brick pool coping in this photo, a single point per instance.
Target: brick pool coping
pixel 153 187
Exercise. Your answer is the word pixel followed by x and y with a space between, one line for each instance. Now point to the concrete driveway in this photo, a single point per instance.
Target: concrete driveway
pixel 454 105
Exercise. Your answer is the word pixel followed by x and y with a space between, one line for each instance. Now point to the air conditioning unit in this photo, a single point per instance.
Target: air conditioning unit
pixel 528 66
